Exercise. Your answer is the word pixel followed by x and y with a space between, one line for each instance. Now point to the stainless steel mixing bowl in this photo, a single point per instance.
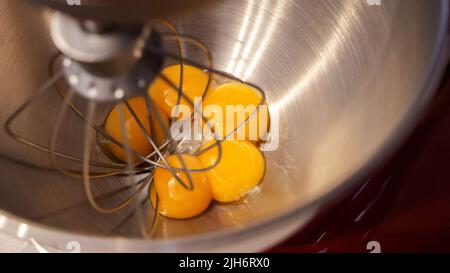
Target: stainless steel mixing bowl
pixel 348 79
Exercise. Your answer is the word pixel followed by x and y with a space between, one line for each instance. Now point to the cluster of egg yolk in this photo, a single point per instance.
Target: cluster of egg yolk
pixel 241 166
pixel 240 169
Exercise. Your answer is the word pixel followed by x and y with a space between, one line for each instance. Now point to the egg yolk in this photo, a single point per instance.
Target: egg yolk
pixel 165 96
pixel 230 105
pixel 239 171
pixel 175 201
pixel 136 138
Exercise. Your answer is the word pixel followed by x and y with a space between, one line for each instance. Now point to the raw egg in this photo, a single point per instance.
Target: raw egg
pixel 136 138
pixel 228 106
pixel 165 96
pixel 175 201
pixel 238 172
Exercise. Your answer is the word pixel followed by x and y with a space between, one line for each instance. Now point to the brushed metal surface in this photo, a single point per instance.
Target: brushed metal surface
pixel 348 80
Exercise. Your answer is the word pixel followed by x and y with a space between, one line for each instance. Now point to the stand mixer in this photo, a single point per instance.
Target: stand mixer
pixel 343 103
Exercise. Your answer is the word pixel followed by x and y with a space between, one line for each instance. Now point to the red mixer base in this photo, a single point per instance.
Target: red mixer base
pixel 403 207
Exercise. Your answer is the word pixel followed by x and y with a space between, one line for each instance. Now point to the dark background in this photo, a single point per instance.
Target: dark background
pixel 404 206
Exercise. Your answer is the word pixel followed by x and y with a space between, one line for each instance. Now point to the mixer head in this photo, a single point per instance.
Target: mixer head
pixel 106 63
pixel 107 43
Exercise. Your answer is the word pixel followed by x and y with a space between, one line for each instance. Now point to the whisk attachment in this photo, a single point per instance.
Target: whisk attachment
pixel 82 75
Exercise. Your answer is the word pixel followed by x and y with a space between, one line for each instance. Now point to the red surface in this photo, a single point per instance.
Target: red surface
pixel 404 206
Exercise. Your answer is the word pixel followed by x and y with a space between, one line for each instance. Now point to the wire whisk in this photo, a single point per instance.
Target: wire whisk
pixel 138 173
